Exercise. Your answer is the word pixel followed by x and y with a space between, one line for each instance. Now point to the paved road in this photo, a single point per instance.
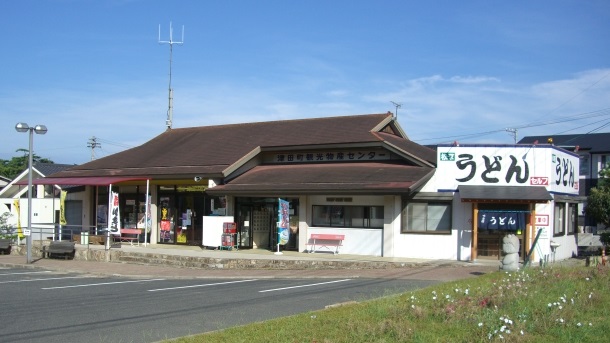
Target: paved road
pixel 41 305
pixel 423 271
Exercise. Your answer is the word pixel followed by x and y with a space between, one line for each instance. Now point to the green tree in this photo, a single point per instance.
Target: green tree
pixel 5 230
pixel 13 167
pixel 598 201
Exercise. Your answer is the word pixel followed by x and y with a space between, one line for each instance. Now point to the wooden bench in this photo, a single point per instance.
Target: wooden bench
pixel 129 235
pixel 325 241
pixel 59 248
pixel 5 246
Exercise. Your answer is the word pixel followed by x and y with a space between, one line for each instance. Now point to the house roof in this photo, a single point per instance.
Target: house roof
pixel 50 168
pixel 595 143
pixel 325 178
pixel 209 150
pixel 39 171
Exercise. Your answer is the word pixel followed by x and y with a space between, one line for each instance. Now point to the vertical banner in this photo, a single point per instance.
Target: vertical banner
pixel 115 216
pixel 62 208
pixel 18 210
pixel 148 215
pixel 283 230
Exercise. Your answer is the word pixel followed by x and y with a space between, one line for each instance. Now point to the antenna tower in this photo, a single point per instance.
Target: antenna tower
pixel 513 132
pixel 397 105
pixel 92 144
pixel 171 42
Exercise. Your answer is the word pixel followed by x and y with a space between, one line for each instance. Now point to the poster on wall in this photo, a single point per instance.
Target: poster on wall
pixel 283 229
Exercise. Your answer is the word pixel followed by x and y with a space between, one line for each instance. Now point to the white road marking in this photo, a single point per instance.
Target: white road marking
pixel 313 284
pixel 103 284
pixel 45 279
pixel 204 285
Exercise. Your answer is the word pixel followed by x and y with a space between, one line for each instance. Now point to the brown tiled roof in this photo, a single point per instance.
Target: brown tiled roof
pixel 411 148
pixel 328 178
pixel 208 150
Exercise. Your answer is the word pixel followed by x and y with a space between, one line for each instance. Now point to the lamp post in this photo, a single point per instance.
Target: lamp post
pixel 41 130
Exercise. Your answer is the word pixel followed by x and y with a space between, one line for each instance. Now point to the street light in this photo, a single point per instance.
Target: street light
pixel 41 130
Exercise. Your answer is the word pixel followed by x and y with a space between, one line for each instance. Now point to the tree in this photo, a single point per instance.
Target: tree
pixel 598 201
pixel 13 167
pixel 5 230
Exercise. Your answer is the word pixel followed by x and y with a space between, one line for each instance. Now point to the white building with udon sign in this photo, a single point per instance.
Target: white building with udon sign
pixel 489 191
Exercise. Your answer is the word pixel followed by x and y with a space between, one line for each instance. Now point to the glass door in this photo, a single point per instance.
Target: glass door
pixel 244 231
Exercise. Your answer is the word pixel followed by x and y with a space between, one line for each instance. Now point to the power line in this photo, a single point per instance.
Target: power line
pixel 580 116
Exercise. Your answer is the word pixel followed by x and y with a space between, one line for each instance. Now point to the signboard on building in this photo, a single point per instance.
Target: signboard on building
pixel 356 155
pixel 508 165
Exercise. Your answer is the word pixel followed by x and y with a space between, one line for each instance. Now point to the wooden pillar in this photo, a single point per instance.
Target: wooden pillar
pixel 530 232
pixel 475 231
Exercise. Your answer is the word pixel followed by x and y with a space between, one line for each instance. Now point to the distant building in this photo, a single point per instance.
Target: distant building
pixel 593 150
pixel 45 198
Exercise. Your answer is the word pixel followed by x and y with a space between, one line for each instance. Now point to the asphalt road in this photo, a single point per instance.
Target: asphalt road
pixel 53 306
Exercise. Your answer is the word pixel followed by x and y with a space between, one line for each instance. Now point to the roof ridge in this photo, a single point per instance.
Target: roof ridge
pixel 282 120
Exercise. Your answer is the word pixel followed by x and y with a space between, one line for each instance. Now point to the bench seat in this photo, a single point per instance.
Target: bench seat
pixel 330 242
pixel 59 248
pixel 129 235
pixel 5 246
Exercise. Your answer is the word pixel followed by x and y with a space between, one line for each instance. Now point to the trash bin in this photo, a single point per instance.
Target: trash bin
pixel 84 238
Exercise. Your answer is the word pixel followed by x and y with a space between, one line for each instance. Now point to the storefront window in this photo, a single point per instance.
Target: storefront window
pixel 348 216
pixel 426 217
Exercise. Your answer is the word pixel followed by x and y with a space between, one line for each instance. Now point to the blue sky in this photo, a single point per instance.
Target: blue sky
pixel 461 70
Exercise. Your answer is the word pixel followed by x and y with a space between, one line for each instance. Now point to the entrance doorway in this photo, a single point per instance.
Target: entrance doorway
pixel 257 223
pixel 496 222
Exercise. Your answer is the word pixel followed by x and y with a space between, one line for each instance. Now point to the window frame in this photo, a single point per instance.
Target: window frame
pixel 338 215
pixel 405 222
pixel 559 219
pixel 572 220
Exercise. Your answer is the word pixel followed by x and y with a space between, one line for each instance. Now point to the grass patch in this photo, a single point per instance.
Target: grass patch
pixel 558 304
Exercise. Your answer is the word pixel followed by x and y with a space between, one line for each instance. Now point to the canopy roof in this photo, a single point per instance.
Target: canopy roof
pixel 82 181
pixel 523 194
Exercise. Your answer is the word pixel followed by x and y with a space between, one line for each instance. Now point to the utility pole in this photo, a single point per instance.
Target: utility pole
pixel 513 132
pixel 92 144
pixel 171 42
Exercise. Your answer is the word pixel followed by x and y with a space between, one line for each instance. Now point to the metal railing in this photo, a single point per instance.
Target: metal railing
pixel 43 232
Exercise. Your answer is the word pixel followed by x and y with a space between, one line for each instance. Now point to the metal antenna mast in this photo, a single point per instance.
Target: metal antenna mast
pixel 397 105
pixel 92 144
pixel 171 42
pixel 513 132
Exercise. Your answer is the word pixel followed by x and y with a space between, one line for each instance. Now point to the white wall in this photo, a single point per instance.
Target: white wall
pixel 358 241
pixel 454 246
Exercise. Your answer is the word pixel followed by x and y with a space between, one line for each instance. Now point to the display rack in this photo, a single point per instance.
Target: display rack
pixel 229 236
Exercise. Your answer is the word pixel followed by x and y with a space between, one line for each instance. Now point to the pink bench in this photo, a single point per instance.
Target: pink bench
pixel 331 242
pixel 129 235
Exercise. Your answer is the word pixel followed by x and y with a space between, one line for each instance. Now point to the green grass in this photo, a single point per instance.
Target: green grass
pixel 554 304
